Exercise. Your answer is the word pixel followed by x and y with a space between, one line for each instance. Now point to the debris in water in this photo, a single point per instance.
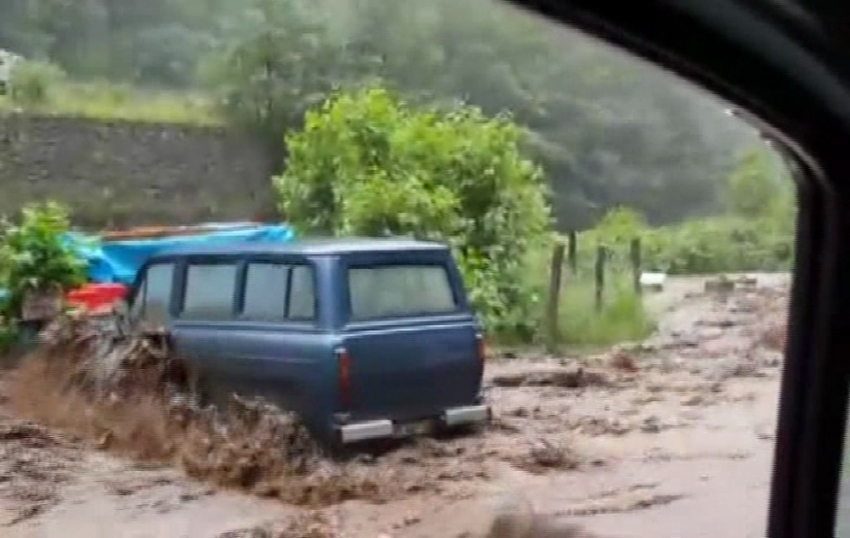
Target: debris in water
pixel 571 378
pixel 127 392
pixel 621 360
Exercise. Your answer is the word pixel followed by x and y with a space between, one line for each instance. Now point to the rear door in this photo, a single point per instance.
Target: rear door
pixel 410 337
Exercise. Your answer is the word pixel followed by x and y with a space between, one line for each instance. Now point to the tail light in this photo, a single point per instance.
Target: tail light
pixel 343 366
pixel 480 349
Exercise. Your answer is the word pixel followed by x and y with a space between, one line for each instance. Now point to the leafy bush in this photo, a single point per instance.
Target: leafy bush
pixel 714 244
pixel 723 244
pixel 286 62
pixel 750 187
pixel 367 163
pixel 33 256
pixel 756 234
pixel 102 100
pixel 623 315
pixel 32 82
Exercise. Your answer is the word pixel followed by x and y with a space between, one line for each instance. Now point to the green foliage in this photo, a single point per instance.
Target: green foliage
pixel 752 186
pixel 622 317
pixel 155 41
pixel 8 336
pixel 33 82
pixel 619 226
pixel 756 235
pixel 605 129
pixel 719 244
pixel 118 102
pixel 368 163
pixel 33 256
pixel 701 246
pixel 261 87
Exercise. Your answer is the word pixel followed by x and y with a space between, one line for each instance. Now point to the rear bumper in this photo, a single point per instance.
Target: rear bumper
pixel 386 428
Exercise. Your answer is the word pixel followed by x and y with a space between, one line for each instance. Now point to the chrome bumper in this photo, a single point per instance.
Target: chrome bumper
pixel 385 428
pixel 469 414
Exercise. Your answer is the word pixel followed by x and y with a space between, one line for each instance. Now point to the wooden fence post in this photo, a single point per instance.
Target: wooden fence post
pixel 601 254
pixel 552 316
pixel 572 241
pixel 636 264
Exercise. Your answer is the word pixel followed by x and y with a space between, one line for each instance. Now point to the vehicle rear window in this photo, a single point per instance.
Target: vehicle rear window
pixel 399 290
pixel 210 291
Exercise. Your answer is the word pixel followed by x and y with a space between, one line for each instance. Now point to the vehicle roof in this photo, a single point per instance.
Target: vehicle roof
pixel 306 247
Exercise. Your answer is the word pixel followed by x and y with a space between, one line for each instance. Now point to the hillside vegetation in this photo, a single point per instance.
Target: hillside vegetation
pixel 467 122
pixel 44 89
pixel 605 129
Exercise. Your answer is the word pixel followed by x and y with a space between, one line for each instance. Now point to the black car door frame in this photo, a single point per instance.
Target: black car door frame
pixel 792 80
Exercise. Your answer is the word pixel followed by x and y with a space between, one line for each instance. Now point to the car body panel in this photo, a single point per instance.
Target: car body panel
pixel 402 368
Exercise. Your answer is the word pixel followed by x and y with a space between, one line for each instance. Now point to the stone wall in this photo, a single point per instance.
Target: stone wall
pixel 119 174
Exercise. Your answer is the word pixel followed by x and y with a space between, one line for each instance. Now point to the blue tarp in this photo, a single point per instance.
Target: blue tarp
pixel 118 261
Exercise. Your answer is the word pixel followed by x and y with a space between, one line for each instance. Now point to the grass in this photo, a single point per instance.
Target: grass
pixel 581 326
pixel 113 102
pixel 622 317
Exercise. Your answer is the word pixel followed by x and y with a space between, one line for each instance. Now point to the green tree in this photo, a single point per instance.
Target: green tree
pixel 752 187
pixel 33 256
pixel 369 163
pixel 288 63
pixel 151 42
pixel 606 129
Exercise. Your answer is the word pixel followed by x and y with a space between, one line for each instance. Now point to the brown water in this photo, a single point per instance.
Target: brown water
pixel 672 439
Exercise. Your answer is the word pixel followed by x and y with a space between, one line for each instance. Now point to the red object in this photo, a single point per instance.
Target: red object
pixel 343 364
pixel 96 298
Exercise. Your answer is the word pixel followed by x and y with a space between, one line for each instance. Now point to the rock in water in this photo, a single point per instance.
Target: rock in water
pixel 514 517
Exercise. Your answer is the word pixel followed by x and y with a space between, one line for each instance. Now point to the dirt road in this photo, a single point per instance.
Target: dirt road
pixel 671 438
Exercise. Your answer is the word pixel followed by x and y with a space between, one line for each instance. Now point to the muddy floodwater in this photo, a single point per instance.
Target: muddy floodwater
pixel 672 437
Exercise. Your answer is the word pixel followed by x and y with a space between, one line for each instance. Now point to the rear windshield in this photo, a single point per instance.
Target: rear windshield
pixel 384 291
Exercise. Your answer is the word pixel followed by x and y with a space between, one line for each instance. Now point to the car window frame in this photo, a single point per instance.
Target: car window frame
pixel 796 90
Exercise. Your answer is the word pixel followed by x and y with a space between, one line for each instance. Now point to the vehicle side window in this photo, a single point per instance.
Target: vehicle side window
pixel 394 290
pixel 302 295
pixel 210 291
pixel 153 298
pixel 265 292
